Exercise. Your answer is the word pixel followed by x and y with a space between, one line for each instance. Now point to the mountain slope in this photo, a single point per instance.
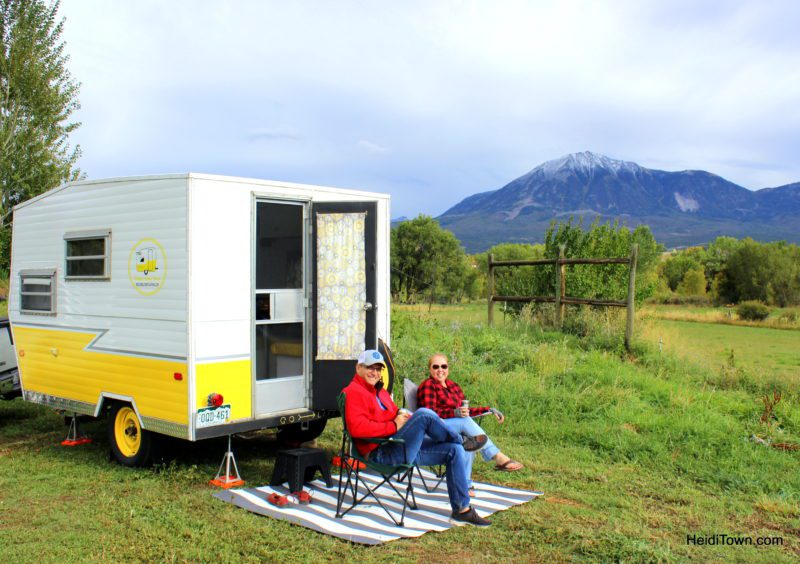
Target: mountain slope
pixel 682 208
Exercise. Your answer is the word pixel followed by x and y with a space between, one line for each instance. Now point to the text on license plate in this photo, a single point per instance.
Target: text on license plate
pixel 208 416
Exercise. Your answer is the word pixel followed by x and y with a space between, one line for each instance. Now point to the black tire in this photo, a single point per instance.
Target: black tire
pixel 294 434
pixel 130 444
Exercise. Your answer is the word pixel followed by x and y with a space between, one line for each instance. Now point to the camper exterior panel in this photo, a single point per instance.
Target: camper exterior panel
pixel 220 293
pixel 125 335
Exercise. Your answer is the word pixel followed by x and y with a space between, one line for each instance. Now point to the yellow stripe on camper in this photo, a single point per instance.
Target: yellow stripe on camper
pixel 57 363
pixel 232 379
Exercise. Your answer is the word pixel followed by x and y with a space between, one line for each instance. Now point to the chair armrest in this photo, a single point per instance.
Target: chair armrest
pixel 384 440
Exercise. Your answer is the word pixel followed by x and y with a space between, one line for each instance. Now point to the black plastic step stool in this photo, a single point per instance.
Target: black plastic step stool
pixel 298 465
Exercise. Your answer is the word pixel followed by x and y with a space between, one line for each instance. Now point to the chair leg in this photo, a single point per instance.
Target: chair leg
pixel 413 505
pixel 349 477
pixel 440 476
pixel 341 491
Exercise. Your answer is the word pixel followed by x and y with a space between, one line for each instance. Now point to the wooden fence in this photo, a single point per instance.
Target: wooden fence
pixel 560 298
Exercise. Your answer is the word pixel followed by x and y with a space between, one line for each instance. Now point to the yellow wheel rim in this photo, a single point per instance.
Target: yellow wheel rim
pixel 127 432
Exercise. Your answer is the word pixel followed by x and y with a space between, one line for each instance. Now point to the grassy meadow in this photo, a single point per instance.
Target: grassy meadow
pixel 634 451
pixel 769 349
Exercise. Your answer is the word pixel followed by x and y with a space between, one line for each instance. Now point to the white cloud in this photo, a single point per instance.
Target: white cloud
pixel 273 134
pixel 371 147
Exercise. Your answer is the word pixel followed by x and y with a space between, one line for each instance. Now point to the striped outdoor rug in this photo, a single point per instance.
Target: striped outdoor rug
pixel 367 523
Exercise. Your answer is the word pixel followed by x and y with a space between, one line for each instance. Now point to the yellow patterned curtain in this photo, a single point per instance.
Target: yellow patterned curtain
pixel 341 286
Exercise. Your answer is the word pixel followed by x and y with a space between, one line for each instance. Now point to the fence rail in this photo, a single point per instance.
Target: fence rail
pixel 560 298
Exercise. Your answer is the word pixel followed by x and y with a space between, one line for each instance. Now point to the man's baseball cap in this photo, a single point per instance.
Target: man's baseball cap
pixel 370 357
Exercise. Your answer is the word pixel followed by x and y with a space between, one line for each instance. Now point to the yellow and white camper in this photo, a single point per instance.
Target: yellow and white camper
pixel 196 306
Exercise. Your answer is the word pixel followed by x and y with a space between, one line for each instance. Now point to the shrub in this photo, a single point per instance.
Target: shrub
pixel 675 299
pixel 752 310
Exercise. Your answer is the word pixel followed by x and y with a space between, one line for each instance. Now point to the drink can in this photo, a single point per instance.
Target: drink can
pixel 465 403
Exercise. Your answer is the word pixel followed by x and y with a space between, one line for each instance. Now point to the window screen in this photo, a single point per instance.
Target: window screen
pixel 37 291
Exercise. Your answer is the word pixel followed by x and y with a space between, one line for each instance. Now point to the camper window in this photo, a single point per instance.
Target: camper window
pixel 37 291
pixel 87 254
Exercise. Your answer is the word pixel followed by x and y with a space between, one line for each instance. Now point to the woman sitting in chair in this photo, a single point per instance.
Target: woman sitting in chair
pixel 445 397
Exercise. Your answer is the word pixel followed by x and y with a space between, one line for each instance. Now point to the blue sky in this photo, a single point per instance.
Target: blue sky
pixel 432 101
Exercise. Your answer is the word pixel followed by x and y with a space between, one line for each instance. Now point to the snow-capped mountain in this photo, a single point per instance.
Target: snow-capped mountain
pixel 688 207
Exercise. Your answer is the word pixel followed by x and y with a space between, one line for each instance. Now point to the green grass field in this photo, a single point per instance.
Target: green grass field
pixel 634 452
pixel 768 353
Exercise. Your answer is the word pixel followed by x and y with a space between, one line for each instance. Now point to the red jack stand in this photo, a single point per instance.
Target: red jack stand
pixel 74 436
pixel 227 481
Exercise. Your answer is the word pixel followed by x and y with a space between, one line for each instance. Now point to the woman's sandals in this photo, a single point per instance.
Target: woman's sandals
pixel 509 465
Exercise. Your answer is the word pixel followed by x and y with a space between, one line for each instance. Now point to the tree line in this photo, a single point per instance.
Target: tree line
pixel 730 271
pixel 429 264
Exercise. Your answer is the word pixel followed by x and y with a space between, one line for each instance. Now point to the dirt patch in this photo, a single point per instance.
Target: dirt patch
pixel 563 501
pixel 630 427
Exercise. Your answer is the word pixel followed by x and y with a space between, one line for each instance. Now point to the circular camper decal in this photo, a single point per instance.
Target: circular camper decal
pixel 147 266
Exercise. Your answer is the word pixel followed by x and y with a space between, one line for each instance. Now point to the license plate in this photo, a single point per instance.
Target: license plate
pixel 209 416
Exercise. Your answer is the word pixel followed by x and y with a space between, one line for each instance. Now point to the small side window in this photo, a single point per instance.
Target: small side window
pixel 37 291
pixel 87 255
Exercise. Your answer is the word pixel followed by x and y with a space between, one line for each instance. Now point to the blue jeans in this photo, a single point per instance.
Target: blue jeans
pixel 467 426
pixel 429 442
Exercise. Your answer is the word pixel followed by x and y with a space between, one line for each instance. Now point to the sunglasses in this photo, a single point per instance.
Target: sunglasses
pixel 438 366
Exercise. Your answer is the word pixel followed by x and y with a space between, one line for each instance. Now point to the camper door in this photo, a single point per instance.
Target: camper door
pixel 343 294
pixel 280 327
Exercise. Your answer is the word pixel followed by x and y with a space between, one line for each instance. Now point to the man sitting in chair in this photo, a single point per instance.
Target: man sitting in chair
pixel 371 413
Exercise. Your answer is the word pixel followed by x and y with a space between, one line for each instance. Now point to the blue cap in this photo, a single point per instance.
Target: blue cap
pixel 370 357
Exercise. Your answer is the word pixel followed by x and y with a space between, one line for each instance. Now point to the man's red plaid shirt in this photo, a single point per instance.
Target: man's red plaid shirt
pixel 443 400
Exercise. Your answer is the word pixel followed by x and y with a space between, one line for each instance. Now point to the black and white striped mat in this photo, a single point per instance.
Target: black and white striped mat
pixel 367 523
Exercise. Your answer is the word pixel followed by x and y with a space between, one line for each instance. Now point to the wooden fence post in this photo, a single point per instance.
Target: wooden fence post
pixel 561 286
pixel 490 289
pixel 631 294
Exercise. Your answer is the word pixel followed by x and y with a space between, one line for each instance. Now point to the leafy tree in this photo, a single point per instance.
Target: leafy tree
pixel 675 267
pixel 426 257
pixel 693 283
pixel 766 272
pixel 516 280
pixel 37 99
pixel 458 281
pixel 746 273
pixel 717 255
pixel 601 240
pixel 783 288
pixel 589 281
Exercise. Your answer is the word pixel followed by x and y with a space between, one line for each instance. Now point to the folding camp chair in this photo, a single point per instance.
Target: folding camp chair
pixel 410 403
pixel 349 474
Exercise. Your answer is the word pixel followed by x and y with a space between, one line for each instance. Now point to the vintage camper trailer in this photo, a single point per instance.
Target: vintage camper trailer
pixel 196 306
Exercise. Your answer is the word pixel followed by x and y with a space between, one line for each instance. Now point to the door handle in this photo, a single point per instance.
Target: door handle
pixel 369 307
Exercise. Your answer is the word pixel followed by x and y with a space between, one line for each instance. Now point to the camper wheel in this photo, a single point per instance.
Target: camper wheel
pixel 295 434
pixel 130 444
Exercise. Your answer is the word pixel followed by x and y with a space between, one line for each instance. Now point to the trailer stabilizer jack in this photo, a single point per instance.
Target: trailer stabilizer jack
pixel 227 480
pixel 75 436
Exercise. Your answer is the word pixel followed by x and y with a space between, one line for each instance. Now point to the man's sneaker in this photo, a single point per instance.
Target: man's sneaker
pixel 474 443
pixel 469 517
